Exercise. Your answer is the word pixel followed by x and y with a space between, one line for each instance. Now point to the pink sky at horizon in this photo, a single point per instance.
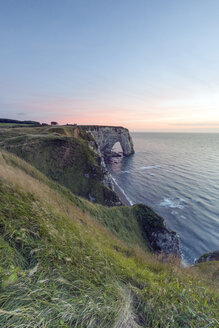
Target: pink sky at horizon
pixel 176 108
pixel 165 114
pixel 149 123
pixel 145 65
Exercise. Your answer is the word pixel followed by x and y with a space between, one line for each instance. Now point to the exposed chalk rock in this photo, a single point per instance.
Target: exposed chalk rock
pixel 107 136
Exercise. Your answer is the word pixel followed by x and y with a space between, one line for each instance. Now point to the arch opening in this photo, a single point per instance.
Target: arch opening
pixel 117 150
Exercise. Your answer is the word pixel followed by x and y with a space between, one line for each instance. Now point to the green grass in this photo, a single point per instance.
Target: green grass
pixel 64 155
pixel 119 220
pixel 66 262
pixel 16 125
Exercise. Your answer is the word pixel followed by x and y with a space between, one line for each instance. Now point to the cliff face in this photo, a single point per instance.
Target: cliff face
pixel 107 136
pixel 64 155
pixel 153 228
pixel 158 237
pixel 75 158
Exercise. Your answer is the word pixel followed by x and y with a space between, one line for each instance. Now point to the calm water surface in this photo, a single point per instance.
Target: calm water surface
pixel 178 176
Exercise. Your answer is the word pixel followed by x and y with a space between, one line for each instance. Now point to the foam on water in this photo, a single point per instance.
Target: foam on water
pixel 149 167
pixel 173 203
pixel 122 191
pixel 142 168
pixel 184 190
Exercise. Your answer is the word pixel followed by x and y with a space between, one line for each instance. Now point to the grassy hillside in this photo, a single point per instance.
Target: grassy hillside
pixel 66 262
pixel 64 155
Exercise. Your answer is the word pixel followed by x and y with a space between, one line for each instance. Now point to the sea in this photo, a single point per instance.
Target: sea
pixel 176 174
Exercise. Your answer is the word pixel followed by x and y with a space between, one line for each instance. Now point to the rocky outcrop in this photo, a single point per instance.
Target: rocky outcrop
pixel 104 138
pixel 157 236
pixel 166 242
pixel 107 179
pixel 107 136
pixel 211 256
pixel 72 157
pixel 160 239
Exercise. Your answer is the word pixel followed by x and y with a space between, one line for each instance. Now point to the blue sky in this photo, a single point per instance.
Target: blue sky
pixel 147 65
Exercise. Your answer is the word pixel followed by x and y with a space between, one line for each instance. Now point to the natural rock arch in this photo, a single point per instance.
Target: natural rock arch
pixel 107 136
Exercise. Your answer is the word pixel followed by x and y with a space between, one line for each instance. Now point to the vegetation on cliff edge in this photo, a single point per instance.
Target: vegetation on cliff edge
pixel 64 155
pixel 66 262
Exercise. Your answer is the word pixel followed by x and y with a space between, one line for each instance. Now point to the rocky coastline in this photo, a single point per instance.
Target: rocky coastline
pixel 75 156
pixel 160 239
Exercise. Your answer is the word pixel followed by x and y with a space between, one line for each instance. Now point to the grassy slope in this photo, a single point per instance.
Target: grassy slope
pixel 61 268
pixel 63 154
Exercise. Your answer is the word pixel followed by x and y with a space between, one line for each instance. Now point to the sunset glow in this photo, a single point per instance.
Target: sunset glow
pixel 155 68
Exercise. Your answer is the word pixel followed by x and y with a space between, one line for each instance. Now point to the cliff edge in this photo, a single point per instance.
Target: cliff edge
pixel 66 262
pixel 107 136
pixel 67 155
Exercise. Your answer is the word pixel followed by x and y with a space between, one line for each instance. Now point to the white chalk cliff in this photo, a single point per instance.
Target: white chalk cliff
pixel 107 136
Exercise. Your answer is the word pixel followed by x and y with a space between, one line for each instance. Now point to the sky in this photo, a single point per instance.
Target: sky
pixel 148 65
